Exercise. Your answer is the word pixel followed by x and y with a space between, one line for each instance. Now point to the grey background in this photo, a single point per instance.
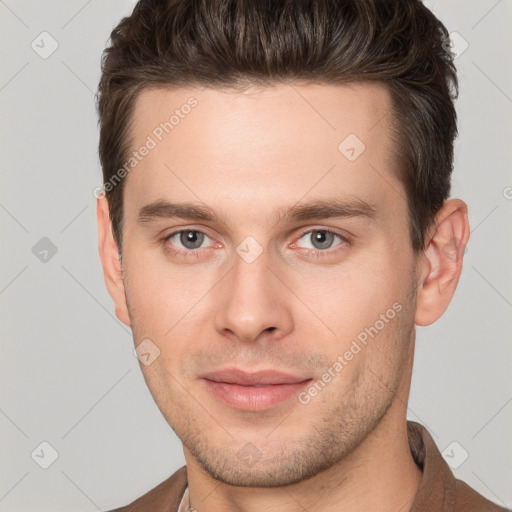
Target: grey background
pixel 68 374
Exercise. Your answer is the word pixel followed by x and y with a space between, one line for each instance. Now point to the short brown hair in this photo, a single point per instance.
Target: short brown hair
pixel 232 43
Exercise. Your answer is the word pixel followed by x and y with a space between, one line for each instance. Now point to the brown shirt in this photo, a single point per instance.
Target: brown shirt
pixel 439 490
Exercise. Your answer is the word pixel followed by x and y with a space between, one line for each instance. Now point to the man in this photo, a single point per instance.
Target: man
pixel 274 223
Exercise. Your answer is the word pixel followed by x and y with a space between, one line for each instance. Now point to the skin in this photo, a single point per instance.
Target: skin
pixel 296 307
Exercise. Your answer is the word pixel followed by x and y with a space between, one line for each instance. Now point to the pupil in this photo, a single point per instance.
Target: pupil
pixel 323 239
pixel 191 239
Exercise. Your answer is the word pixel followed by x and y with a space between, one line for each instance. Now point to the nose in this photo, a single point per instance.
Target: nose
pixel 253 302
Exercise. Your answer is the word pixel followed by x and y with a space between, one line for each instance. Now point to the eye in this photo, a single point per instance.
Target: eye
pixel 321 239
pixel 185 241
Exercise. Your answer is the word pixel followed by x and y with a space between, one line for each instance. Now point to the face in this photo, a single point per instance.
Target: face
pixel 267 230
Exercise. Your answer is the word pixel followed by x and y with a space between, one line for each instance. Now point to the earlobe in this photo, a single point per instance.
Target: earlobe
pixel 110 261
pixel 441 263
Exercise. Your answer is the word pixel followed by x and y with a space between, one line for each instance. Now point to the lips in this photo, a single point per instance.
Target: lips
pixel 259 378
pixel 254 391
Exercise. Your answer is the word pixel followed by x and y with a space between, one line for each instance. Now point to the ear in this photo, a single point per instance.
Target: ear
pixel 441 262
pixel 109 254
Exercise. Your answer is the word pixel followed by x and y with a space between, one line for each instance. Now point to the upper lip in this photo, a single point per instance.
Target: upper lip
pixel 261 377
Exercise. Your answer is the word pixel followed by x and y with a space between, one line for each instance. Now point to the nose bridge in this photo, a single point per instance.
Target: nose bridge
pixel 252 301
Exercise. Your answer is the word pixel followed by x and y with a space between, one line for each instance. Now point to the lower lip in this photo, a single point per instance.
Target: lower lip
pixel 251 398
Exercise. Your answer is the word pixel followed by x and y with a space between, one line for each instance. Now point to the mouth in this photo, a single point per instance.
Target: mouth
pixel 256 391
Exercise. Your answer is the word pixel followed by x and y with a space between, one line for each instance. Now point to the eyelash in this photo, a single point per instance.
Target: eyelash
pixel 344 241
pixel 168 249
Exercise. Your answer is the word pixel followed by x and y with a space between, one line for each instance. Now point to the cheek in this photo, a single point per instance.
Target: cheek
pixel 160 296
pixel 364 313
pixel 168 396
pixel 349 298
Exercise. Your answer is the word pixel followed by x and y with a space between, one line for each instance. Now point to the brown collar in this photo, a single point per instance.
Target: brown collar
pixel 439 490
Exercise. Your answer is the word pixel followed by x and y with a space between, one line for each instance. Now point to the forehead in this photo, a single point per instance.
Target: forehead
pixel 262 146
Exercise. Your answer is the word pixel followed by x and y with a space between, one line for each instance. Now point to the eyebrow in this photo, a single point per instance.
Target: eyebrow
pixel 317 209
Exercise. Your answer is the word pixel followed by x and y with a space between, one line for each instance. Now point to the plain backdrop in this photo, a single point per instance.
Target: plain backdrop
pixel 68 375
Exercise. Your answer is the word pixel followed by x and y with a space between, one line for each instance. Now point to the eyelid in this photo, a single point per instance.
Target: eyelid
pixel 167 237
pixel 344 240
